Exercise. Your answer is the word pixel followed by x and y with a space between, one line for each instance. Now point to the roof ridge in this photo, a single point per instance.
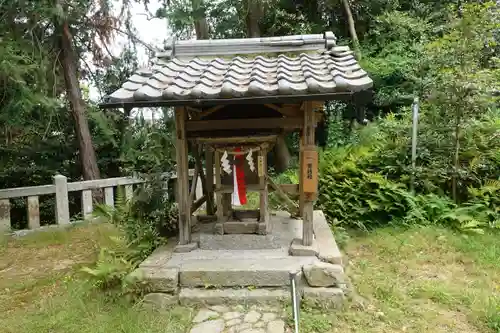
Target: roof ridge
pixel 221 47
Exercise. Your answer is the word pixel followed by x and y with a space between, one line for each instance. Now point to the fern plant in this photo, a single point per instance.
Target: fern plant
pixel 140 237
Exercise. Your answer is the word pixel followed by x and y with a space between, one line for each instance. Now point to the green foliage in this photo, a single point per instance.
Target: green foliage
pixel 111 270
pixel 143 224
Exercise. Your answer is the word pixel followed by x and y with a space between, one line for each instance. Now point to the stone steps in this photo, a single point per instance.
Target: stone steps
pixel 325 297
pixel 196 296
pixel 241 242
pixel 177 259
pixel 240 271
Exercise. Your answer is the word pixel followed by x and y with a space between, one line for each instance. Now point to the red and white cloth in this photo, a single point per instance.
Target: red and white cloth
pixel 239 197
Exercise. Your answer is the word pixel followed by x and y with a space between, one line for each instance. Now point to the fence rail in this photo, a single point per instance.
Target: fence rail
pixel 61 188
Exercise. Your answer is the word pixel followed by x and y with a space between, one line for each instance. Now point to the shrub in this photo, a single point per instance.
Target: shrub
pixel 144 220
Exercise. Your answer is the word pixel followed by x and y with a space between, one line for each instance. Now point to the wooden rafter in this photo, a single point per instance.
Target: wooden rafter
pixel 200 114
pixel 253 123
pixel 288 110
pixel 236 139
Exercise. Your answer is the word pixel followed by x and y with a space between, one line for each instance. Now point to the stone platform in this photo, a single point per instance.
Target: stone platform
pixel 247 268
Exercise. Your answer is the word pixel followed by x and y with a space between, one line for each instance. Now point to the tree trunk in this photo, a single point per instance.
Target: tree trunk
pixel 68 63
pixel 252 17
pixel 352 28
pixel 282 153
pixel 200 19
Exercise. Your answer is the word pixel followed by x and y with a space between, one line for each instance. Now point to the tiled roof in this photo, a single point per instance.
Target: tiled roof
pixel 181 78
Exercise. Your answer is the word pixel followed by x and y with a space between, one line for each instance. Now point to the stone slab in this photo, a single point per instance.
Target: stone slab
pixel 159 257
pixel 240 227
pixel 211 326
pixel 281 230
pixel 178 259
pixel 190 296
pixel 323 274
pixel 324 297
pixel 276 326
pixel 219 229
pixel 239 272
pixel 327 247
pixel 160 300
pixel 158 280
pixel 241 242
pixel 184 248
pixel 299 250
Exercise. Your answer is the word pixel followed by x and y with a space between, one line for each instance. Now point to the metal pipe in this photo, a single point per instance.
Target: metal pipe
pixel 295 300
pixel 415 108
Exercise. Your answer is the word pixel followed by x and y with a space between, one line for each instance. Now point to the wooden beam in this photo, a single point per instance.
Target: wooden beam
pixel 273 107
pixel 291 205
pixel 218 195
pixel 199 165
pixel 181 153
pixel 317 105
pixel 235 139
pixel 291 110
pixel 209 165
pixel 289 188
pixel 252 123
pixel 194 182
pixel 198 203
pixel 301 170
pixel 308 203
pixel 264 194
pixel 207 112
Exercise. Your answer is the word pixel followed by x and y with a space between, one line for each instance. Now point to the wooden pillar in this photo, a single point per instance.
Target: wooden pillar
pixel 264 194
pixel 308 201
pixel 218 194
pixel 209 165
pixel 181 154
pixel 301 192
pixel 226 204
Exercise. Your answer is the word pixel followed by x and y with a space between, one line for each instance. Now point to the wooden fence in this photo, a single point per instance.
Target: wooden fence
pixel 61 188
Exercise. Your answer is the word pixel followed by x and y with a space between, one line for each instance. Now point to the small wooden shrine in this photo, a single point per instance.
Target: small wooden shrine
pixel 233 99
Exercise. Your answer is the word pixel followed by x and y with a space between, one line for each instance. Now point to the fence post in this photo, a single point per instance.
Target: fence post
pixel 62 201
pixel 87 204
pixel 4 216
pixel 33 212
pixel 109 198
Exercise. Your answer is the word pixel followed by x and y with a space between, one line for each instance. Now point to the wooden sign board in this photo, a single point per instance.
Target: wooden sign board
pixel 260 166
pixel 310 171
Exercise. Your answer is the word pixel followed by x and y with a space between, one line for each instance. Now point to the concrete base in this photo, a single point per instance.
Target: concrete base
pixel 184 248
pixel 241 267
pixel 299 250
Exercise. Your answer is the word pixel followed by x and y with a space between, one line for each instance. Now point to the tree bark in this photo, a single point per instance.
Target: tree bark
pixel 352 28
pixel 200 19
pixel 67 60
pixel 252 17
pixel 282 153
pixel 253 14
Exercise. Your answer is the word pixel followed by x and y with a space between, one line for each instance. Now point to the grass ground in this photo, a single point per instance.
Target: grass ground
pixel 413 280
